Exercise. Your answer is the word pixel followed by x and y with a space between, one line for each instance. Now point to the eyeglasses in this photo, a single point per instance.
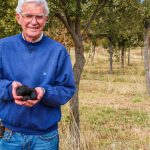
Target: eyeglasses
pixel 29 17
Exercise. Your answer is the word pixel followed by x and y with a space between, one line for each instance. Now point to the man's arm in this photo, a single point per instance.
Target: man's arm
pixel 5 85
pixel 64 88
pixel 5 90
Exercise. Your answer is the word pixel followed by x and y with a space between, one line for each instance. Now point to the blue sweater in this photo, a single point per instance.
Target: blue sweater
pixel 42 64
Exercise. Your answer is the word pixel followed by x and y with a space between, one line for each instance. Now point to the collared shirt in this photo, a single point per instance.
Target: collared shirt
pixel 35 40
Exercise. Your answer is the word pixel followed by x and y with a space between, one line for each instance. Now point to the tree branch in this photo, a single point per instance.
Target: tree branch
pixel 78 17
pixel 101 3
pixel 64 3
pixel 65 22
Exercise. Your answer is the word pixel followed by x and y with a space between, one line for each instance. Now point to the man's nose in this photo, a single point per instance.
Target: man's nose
pixel 34 20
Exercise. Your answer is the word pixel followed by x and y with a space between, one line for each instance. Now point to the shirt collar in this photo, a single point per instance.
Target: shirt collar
pixel 39 39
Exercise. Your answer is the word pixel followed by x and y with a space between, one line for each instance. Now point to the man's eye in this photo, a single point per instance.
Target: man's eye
pixel 39 17
pixel 29 16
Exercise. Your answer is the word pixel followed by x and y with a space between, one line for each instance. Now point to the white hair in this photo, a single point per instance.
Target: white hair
pixel 21 2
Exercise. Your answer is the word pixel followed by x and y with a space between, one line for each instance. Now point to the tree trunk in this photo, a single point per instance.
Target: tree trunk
pixel 122 57
pixel 110 57
pixel 129 57
pixel 74 103
pixel 146 59
pixel 93 51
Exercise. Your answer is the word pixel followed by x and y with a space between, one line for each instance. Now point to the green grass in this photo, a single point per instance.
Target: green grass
pixel 106 126
pixel 113 119
pixel 101 116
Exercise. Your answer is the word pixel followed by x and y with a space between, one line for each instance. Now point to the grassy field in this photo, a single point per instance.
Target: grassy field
pixel 114 109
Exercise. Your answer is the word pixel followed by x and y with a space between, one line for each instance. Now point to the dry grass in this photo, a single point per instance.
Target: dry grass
pixel 114 109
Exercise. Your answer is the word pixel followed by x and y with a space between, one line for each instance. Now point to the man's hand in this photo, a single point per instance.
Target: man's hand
pixel 17 99
pixel 31 103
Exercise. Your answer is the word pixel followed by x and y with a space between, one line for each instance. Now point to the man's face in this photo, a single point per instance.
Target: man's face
pixel 32 20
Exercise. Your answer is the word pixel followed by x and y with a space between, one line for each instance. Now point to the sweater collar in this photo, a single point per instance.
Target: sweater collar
pixel 39 39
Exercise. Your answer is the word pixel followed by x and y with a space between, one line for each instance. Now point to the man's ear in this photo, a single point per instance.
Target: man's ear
pixel 18 19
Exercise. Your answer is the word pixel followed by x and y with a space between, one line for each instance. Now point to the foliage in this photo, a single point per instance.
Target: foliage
pixel 104 42
pixel 146 15
pixel 8 25
pixel 121 20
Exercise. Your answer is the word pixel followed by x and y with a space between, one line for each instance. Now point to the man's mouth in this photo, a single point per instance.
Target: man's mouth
pixel 33 28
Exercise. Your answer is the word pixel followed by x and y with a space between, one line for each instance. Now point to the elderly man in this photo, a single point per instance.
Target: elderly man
pixel 36 61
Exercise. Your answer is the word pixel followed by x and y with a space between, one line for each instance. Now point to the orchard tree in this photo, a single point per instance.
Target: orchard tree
pixel 72 14
pixel 121 21
pixel 131 12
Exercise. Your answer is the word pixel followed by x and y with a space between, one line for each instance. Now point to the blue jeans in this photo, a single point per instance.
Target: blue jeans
pixel 18 141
